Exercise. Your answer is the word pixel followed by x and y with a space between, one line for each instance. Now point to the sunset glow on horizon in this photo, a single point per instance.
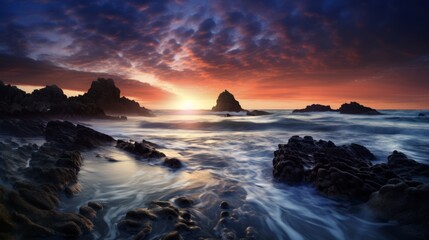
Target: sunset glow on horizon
pixel 182 54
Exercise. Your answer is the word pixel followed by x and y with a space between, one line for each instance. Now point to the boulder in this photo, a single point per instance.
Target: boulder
pixel 314 108
pixel 50 94
pixel 257 113
pixel 356 108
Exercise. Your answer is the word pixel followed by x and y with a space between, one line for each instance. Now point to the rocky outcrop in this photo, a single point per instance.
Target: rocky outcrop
pixel 147 150
pixel 396 190
pixel 226 102
pixel 314 108
pixel 356 108
pixel 70 136
pixel 104 94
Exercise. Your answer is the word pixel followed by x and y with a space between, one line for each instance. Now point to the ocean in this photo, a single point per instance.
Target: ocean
pixel 230 159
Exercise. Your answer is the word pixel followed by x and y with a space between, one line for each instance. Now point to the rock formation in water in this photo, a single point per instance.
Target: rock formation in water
pixel 314 108
pixel 356 108
pixel 226 102
pixel 346 108
pixel 104 94
pixel 398 189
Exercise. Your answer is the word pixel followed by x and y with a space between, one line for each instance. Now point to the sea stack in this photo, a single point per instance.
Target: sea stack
pixel 227 102
pixel 356 108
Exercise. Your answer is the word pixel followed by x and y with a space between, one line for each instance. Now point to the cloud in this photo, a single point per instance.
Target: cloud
pixel 292 43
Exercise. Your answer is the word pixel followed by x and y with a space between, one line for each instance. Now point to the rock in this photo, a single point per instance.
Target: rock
pixel 22 127
pixel 70 136
pixel 257 113
pixel 224 205
pixel 227 102
pixel 314 108
pixel 104 94
pixel 421 115
pixel 183 202
pixel 172 163
pixel 75 109
pixel 144 149
pixel 160 217
pixel 356 108
pixel 50 94
pixel 406 168
pixel 338 171
pixel 95 205
pixel 405 204
pixel 88 212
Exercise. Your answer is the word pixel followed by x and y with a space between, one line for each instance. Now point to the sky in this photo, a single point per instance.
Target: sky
pixel 270 54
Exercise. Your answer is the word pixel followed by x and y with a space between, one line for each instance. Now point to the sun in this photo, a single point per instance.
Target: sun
pixel 187 105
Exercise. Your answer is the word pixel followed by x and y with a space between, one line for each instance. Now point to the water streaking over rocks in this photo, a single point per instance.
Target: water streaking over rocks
pixel 230 159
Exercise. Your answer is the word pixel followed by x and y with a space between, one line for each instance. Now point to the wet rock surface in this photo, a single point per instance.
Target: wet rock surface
pixel 36 176
pixel 144 148
pixel 191 217
pixel 395 190
pixel 314 108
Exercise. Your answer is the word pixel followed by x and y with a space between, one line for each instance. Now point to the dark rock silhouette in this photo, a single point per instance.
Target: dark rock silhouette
pixel 49 94
pixel 227 102
pixel 421 115
pixel 104 94
pixel 314 108
pixel 394 189
pixel 356 108
pixel 51 102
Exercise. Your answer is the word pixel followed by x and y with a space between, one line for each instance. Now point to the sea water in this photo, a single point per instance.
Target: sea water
pixel 230 158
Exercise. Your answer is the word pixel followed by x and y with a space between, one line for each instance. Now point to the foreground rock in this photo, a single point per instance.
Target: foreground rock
pixel 356 108
pixel 314 108
pixel 104 94
pixel 396 190
pixel 147 150
pixel 36 176
pixel 226 102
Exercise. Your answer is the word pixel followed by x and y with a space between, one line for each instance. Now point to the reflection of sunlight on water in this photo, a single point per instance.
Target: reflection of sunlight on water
pixel 238 150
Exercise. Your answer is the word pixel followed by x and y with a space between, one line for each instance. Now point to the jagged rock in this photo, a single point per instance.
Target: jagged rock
pixel 50 94
pixel 73 136
pixel 104 94
pixel 227 102
pixel 22 127
pixel 144 149
pixel 314 108
pixel 356 108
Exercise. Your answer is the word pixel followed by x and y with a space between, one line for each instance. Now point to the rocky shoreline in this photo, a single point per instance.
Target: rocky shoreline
pixel 397 190
pixel 33 178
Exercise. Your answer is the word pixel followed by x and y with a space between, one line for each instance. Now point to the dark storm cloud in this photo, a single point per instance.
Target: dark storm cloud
pixel 246 40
